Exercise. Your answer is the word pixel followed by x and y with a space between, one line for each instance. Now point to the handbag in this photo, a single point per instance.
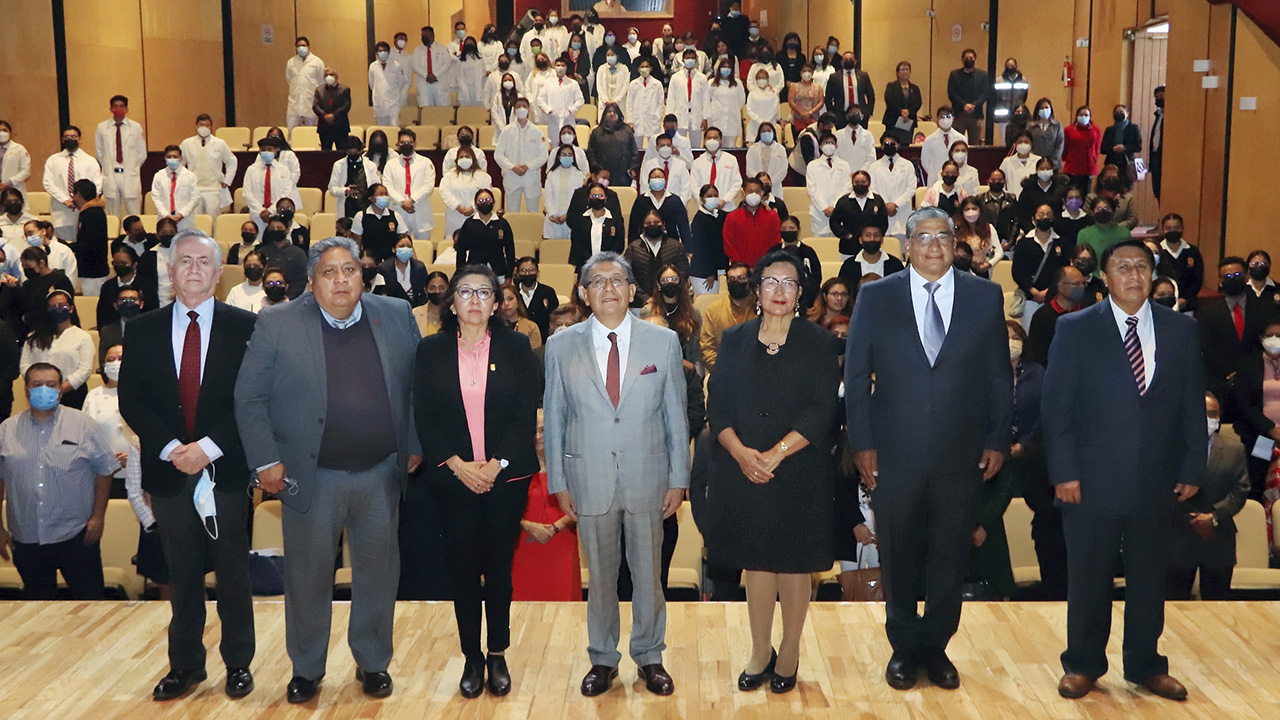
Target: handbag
pixel 861 585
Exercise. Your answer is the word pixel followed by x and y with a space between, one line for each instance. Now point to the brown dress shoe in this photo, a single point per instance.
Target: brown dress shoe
pixel 598 680
pixel 1075 685
pixel 656 679
pixel 1165 686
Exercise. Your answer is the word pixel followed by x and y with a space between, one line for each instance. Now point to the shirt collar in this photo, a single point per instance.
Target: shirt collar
pixel 203 309
pixel 945 282
pixel 337 324
pixel 600 333
pixel 1143 314
pixel 606 216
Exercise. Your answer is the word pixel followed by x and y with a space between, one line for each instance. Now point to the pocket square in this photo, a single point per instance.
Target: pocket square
pixel 649 370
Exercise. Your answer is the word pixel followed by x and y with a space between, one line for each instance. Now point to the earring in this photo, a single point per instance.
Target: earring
pixel 759 310
pixel 797 308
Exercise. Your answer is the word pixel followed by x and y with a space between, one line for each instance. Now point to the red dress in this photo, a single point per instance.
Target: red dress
pixel 548 572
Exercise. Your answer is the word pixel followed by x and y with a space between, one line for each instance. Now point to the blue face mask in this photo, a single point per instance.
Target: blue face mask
pixel 657 184
pixel 267 156
pixel 566 161
pixel 173 163
pixel 726 72
pixel 43 397
pixel 34 240
pixel 382 201
pixel 766 137
pixel 575 45
pixel 511 52
pixel 383 55
pixel 404 254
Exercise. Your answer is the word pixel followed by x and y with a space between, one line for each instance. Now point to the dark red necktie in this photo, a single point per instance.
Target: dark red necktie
pixel 713 169
pixel 612 379
pixel 1237 314
pixel 266 193
pixel 119 146
pixel 189 373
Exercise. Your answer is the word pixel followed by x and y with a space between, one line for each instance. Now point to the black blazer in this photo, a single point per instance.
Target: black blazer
pixel 512 393
pixel 93 258
pixel 539 308
pixel 1126 450
pixel 1226 487
pixel 1223 350
pixel 417 294
pixel 150 402
pixel 921 418
pixel 613 238
pixel 895 101
pixel 848 220
pixel 1246 389
pixel 851 271
pixel 835 96
pixel 107 312
pixel 578 203
pixel 334 100
pixel 1130 137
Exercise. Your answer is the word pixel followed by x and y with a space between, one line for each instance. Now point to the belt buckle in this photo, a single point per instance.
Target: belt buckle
pixel 119 170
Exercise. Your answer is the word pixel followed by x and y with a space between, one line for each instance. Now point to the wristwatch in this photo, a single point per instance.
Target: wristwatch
pixel 782 445
pixel 502 463
pixel 1214 517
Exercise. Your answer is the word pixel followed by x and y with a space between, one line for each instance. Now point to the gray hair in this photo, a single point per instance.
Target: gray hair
pixel 197 235
pixel 928 213
pixel 318 250
pixel 600 258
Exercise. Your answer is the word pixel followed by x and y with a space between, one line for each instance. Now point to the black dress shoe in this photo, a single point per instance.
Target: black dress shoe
pixel 301 689
pixel 239 682
pixel 940 670
pixel 177 683
pixel 901 671
pixel 376 684
pixel 748 682
pixel 499 676
pixel 779 684
pixel 657 680
pixel 472 682
pixel 598 680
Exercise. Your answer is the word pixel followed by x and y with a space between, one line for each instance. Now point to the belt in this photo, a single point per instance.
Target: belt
pixel 118 170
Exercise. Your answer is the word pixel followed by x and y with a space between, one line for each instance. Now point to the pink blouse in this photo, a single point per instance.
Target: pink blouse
pixel 473 376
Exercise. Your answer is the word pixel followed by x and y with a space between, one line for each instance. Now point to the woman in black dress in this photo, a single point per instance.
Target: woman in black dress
pixel 770 495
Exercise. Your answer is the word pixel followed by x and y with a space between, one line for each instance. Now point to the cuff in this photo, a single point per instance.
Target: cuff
pixel 268 465
pixel 210 448
pixel 168 449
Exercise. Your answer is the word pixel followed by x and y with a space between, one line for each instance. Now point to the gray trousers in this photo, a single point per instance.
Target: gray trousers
pixel 601 537
pixel 367 504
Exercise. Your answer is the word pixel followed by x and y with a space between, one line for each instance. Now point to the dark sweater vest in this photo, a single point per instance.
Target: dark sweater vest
pixel 358 431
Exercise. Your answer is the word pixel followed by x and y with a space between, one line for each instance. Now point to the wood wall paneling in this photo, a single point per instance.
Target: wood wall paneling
pixel 831 17
pixel 1184 131
pixel 1040 54
pixel 338 31
pixel 104 58
pixel 893 31
pixel 261 91
pixel 182 62
pixel 1212 172
pixel 29 81
pixel 1109 74
pixel 1257 75
pixel 969 14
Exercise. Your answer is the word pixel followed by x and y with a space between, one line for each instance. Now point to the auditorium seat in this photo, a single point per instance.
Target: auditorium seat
pixel 391 132
pixel 449 137
pixel 486 137
pixel 626 198
pixel 438 116
pixel 232 275
pixel 588 112
pixel 87 309
pixel 204 223
pixel 428 138
pixel 113 226
pixel 441 246
pixel 686 562
pixel 259 132
pixel 323 225
pixel 928 127
pixel 1022 551
pixel 237 201
pixel 237 138
pixel 827 248
pixel 473 115
pixel 525 248
pixel 437 233
pixel 584 136
pixel 784 113
pixel 93 335
pixel 424 250
pixel 119 545
pixel 1253 570
pixel 267 531
pixel 226 229
pixel 38 202
pixel 796 198
pixel 358 131
pixel 876 128
pixel 700 302
pixel 1002 274
pixel 304 137
pixel 559 276
pixel 830 269
pixel 786 135
pixel 554 251
pixel 919 201
pixel 893 246
pixel 525 225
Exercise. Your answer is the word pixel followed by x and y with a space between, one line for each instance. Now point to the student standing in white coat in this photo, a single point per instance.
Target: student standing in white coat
pixel 470 72
pixel 827 179
pixel 502 104
pixel 410 178
pixel 458 187
pixel 725 99
pixel 645 102
pixel 521 152
pixel 678 180
pixel 937 146
pixel 894 179
pixel 563 179
pixel 174 192
pixel 388 82
pixel 214 165
pixel 490 48
pixel 61 171
pixel 121 150
pixel 456 41
pixel 680 147
pixel 969 180
pixel 1020 165
pixel 304 72
pixel 569 139
pixel 541 75
pixel 765 154
pixel 466 138
pixel 560 98
pixel 403 57
pixel 719 168
pixel 762 103
pixel 687 98
pixel 265 182
pixel 433 68
pixel 854 143
pixel 15 163
pixel 613 80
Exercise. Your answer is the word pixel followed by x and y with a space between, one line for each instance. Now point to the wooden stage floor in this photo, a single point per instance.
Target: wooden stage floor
pixel 99 661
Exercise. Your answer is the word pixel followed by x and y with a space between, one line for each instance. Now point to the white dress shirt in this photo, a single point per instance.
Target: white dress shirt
pixel 597 229
pixel 897 185
pixel 246 296
pixel 1146 334
pixel 179 338
pixel 770 158
pixel 102 404
pixel 15 167
pixel 827 180
pixel 944 296
pixel 179 184
pixel 869 267
pixel 600 342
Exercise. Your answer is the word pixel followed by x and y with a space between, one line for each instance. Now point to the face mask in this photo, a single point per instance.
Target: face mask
pixel 1076 295
pixel 1074 204
pixel 1015 349
pixel 945 123
pixel 59 314
pixel 711 203
pixel 129 309
pixel 753 199
pixel 1084 265
pixel 111 370
pixel 995 187
pixel 805 76
pixel 383 55
pixel 202 131
pixel 664 152
pixel 122 270
pixel 1119 117
pixel 1102 217
pixel 726 72
pixel 1045 113
pixel 1044 176
pixel 522 112
pixel 274 236
pixel 969 63
pixel 30 273
pixel 849 64
pixel 382 201
pixel 70 145
pixel 595 203
pixel 1044 224
pixel 610 40
pixel 527 280
pixel 632 38
pixel 713 144
pixel 855 118
pixel 303 51
pixel 871 247
pixel 465 163
pixel 828 149
pixel 690 62
pixel 818 59
pixel 644 72
pixel 1167 300
pixel 253 274
pixel 1173 236
pixel 172 163
pixel 1259 272
pixel 971 216
pixel 1082 119
pixel 1020 117
pixel 950 179
pixel 541 62
pixel 738 290
pixel 568 138
pixel 560 70
pixel 462 34
pixel 1271 344
pixel 287 216
pixel 860 189
pixel 367 274
pixel 484 207
pixel 1024 149
pixel 1233 286
pixel 267 157
pixel 35 240
pixel 275 293
pixel 754 32
pixel 657 184
pixel 890 150
pixel 791 237
pixel 763 83
pixel 400 44
pixel 653 232
pixel 566 161
pixel 404 254
pixel 508 85
pixel 604 182
pixel 511 52
pixel 330 80
pixel 963 264
pixel 960 157
pixel 43 398
pixel 13 208
pixel 766 137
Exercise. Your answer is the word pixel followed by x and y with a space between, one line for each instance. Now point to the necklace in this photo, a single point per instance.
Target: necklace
pixel 773 348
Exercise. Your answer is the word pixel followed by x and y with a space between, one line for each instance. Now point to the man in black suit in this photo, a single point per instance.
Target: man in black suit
pixel 177 387
pixel 539 300
pixel 1231 329
pixel 129 304
pixel 850 86
pixel 1155 143
pixel 936 428
pixel 1123 415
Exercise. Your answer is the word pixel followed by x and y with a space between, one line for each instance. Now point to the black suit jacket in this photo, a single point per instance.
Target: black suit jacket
pixel 107 312
pixel 924 419
pixel 150 401
pixel 513 391
pixel 539 308
pixel 835 96
pixel 1223 350
pixel 848 220
pixel 1126 450
pixel 895 101
pixel 578 203
pixel 613 238
pixel 417 294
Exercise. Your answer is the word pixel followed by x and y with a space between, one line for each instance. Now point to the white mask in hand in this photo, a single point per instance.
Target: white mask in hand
pixel 206 508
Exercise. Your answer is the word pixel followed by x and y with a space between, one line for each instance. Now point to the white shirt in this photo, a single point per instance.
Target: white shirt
pixel 897 186
pixel 255 187
pixel 55 176
pixel 518 145
pixel 1146 334
pixel 179 337
pixel 184 192
pixel 678 180
pixel 645 106
pixel 71 351
pixel 944 296
pixel 597 229
pixel 681 149
pixel 246 296
pixel 600 341
pixel 212 162
pixel 728 176
pixel 303 77
pixel 937 150
pixel 771 158
pixel 856 147
pixel 102 404
pixel 612 84
pixel 1016 169
pixel 869 267
pixel 1174 251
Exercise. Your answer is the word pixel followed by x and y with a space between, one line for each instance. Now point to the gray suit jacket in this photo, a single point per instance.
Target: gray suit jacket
pixel 281 392
pixel 638 450
pixel 1225 489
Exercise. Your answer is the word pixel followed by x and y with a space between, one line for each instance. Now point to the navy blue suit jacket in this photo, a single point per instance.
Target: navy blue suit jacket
pixel 1123 447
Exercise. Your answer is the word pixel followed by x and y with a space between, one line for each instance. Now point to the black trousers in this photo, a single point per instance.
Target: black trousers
pixel 81 567
pixel 190 552
pixel 1215 582
pixel 1093 540
pixel 482 530
pixel 1046 532
pixel 924 523
pixel 1156 160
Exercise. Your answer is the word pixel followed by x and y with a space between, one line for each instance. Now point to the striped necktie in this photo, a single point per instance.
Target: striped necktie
pixel 1133 349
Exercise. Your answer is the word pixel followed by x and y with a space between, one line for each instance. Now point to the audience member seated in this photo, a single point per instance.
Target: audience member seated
pixel 249 294
pixel 278 252
pixel 128 305
pixel 512 312
pixel 1112 185
pixel 427 315
pixel 1069 288
pixel 671 298
pixel 539 300
pixel 650 252
pixel 55 340
pixel 405 276
pixel 1256 397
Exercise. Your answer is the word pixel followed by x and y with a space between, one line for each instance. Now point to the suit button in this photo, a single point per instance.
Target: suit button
pixel 764 414
pixel 321 421
pixel 617 420
pixel 614 453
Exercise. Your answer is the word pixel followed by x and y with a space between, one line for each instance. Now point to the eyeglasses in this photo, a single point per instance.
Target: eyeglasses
pixel 348 271
pixel 788 285
pixel 466 293
pixel 926 239
pixel 616 281
pixel 275 284
pixel 669 281
pixel 837 294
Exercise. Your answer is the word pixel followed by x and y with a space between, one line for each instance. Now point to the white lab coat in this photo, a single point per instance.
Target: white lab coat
pixel 121 181
pixel 968 179
pixel 560 99
pixel 1016 170
pixel 58 186
pixel 338 181
pixel 522 145
pixel 405 61
pixel 470 75
pixel 451 159
pixel 489 53
pixel 771 158
pixel 762 107
pixel 645 106
pixel 937 150
pixel 15 168
pixel 856 146
pixel 493 83
pixel 561 183
pixel 532 90
pixel 388 82
pixel 777 80
pixel 303 77
pixel 458 189
pixel 287 159
pixel 442 65
pixel 680 147
pixel 897 186
pixel 612 84
pixel 827 180
pixel 688 107
pixel 214 166
pixel 594 35
pixel 728 177
pixel 181 184
pixel 500 117
pixel 560 35
pixel 724 110
pixel 679 182
pixel 255 185
pixel 422 181
pixel 62 258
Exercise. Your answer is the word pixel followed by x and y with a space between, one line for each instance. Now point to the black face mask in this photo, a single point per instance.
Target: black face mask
pixel 1173 236
pixel 595 203
pixel 59 314
pixel 484 208
pixel 253 274
pixel 996 187
pixel 791 237
pixel 1232 285
pixel 248 238
pixel 379 149
pixel 287 216
pixel 738 290
pixel 1259 272
pixel 1102 217
pixel 890 150
pixel 464 140
pixel 1168 301
pixel 849 65
pixel 871 247
pixel 1020 117
pixel 653 233
pixel 275 293
pixel 13 208
pixel 1084 265
pixel 165 240
pixel 367 274
pixel 670 291
pixel 274 236
pixel 122 270
pixel 527 280
pixel 1044 224
pixel 129 309
pixel 1160 102
pixel 765 58
pixel 855 118
pixel 950 179
pixel 861 190
pixel 1119 117
pixel 70 145
pixel 968 63
pixel 963 264
pixel 30 273
pixel 405 150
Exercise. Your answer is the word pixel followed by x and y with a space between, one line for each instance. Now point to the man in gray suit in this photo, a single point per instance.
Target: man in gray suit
pixel 617 448
pixel 322 402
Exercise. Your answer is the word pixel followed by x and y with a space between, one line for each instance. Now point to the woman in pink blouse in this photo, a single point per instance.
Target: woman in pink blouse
pixel 476 390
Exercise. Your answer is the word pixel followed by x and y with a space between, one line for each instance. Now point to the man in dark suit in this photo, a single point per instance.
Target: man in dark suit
pixel 1231 329
pixel 936 428
pixel 1123 413
pixel 129 304
pixel 176 392
pixel 850 86
pixel 1204 527
pixel 1155 143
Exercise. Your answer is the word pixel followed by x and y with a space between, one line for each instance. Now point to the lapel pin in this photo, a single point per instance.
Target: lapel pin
pixel 492 367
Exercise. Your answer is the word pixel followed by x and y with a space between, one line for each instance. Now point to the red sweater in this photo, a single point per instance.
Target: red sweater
pixel 748 236
pixel 1080 149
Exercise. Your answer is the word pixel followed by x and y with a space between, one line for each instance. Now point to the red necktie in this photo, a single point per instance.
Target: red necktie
pixel 119 145
pixel 71 173
pixel 407 179
pixel 690 87
pixel 613 371
pixel 890 164
pixel 713 169
pixel 666 170
pixel 266 194
pixel 1238 314
pixel 173 185
pixel 946 140
pixel 849 78
pixel 429 72
pixel 189 373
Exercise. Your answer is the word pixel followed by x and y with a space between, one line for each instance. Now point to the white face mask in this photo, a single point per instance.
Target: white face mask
pixel 1213 424
pixel 1082 119
pixel 4 136
pixel 690 62
pixel 400 44
pixel 522 112
pixel 664 152
pixel 383 55
pixel 202 131
pixel 1024 149
pixel 1015 349
pixel 644 72
pixel 712 145
pixel 632 38
pixel 1045 113
pixel 1044 175
pixel 971 216
pixel 508 85
pixel 753 199
pixel 828 149
pixel 330 80
pixel 960 157
pixel 567 138
pixel 806 76
pixel 111 370
pixel 762 83
pixel 206 508
pixel 1271 345
pixel 560 71
pixel 464 163
pixel 712 203
pixel 945 123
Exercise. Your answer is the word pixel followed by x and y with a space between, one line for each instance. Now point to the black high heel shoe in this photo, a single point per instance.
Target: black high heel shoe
pixel 748 682
pixel 779 684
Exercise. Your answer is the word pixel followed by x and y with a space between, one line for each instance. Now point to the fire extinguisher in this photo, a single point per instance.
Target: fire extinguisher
pixel 1068 73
